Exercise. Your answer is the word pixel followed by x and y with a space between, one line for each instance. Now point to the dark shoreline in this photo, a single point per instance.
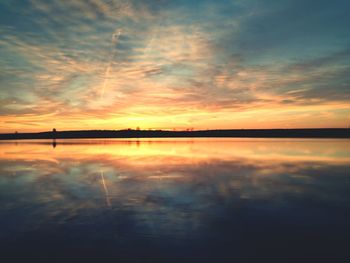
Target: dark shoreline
pixel 234 133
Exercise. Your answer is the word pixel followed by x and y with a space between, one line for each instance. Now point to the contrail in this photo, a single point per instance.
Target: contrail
pixel 115 37
pixel 105 189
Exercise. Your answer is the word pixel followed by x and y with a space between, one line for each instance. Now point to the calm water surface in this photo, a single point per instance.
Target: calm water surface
pixel 175 200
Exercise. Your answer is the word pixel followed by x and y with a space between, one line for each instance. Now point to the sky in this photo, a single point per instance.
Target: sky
pixel 173 64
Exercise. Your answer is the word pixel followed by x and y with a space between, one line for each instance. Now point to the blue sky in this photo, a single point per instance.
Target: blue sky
pixel 174 64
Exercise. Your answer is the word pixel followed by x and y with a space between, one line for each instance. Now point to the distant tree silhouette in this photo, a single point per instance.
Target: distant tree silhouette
pixel 53 133
pixel 251 133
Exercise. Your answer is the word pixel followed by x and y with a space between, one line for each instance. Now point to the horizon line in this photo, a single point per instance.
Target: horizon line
pixel 176 130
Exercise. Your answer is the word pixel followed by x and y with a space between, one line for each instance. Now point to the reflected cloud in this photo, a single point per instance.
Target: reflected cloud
pixel 112 195
pixel 173 177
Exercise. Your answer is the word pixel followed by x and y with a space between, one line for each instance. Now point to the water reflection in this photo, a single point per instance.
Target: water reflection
pixel 216 199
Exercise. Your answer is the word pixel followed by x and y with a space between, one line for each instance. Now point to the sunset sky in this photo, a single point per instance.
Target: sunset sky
pixel 111 64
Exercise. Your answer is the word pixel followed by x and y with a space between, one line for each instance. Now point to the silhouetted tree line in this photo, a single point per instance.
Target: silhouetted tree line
pixel 253 133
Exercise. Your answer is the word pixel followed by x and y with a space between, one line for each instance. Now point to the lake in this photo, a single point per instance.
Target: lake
pixel 175 200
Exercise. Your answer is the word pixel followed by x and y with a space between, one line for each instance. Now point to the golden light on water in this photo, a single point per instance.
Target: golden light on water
pixel 145 152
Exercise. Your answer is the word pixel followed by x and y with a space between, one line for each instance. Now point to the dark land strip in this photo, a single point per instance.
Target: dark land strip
pixel 241 133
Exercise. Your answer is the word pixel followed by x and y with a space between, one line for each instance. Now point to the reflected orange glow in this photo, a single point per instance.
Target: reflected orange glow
pixel 173 151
